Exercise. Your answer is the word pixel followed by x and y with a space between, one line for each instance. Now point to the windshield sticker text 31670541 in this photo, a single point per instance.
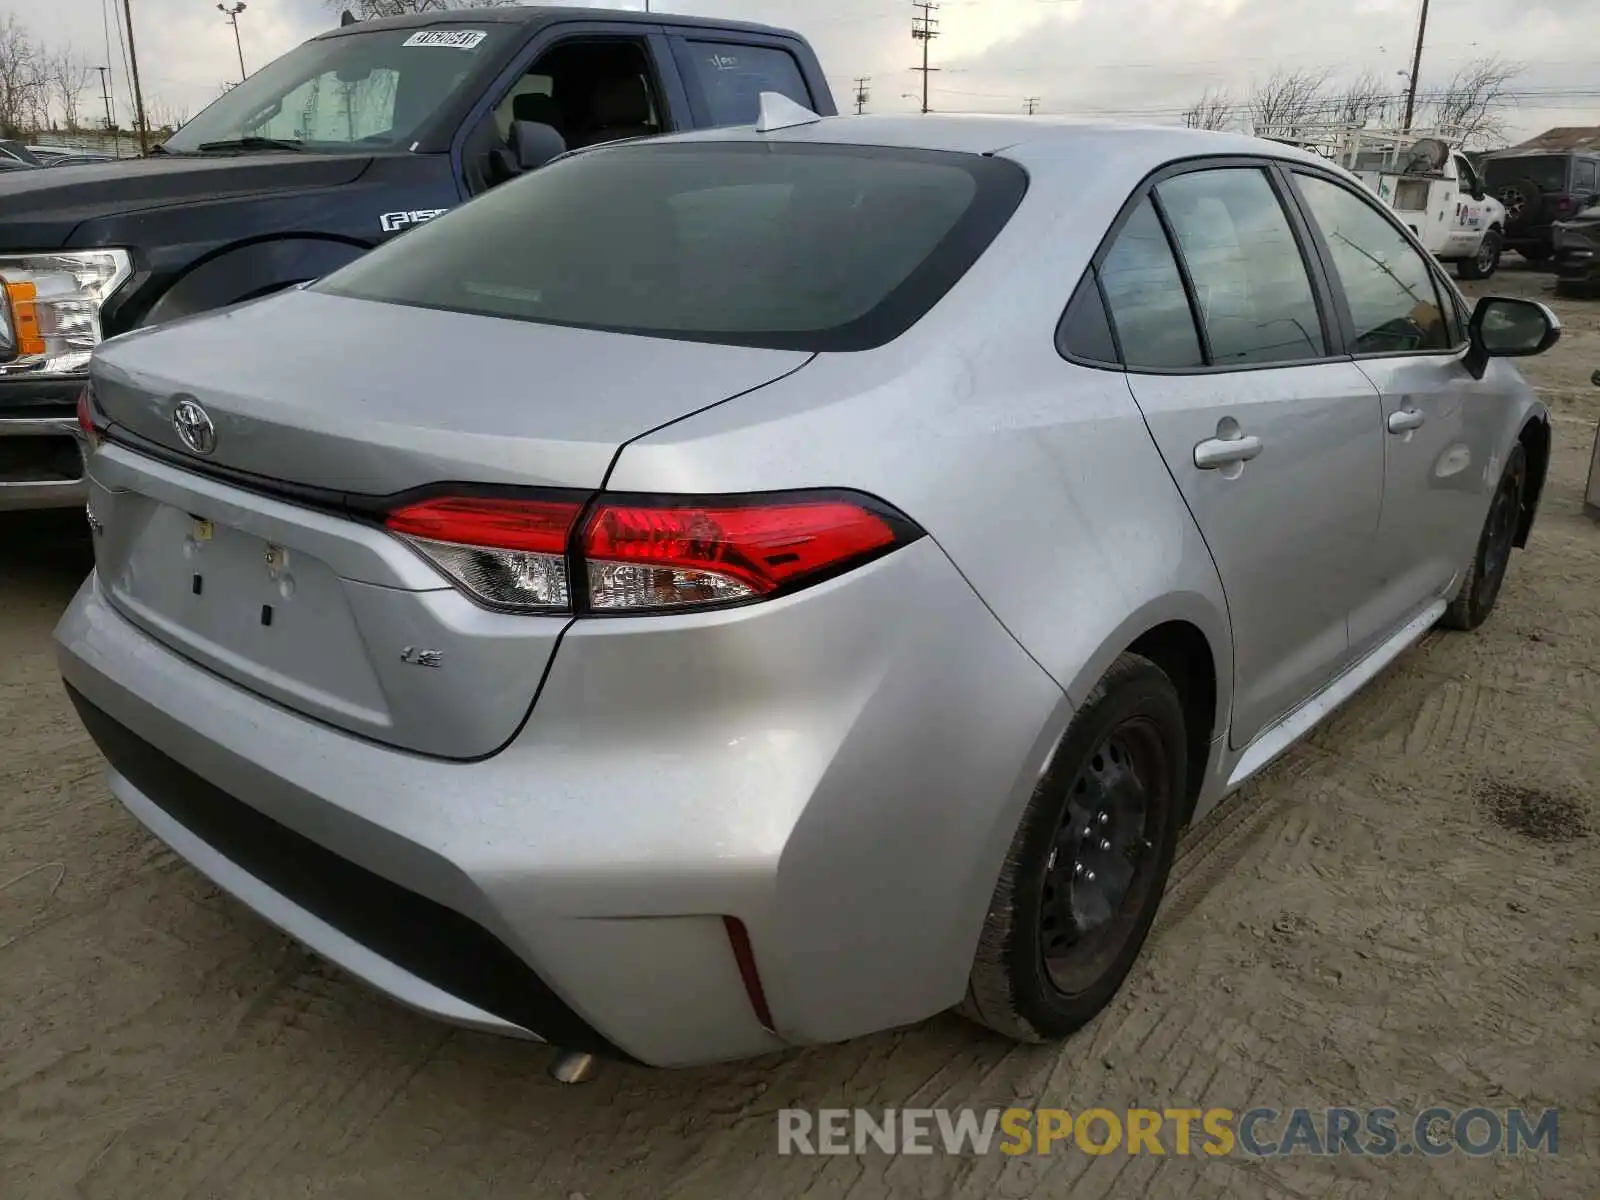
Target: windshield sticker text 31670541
pixel 392 222
pixel 448 39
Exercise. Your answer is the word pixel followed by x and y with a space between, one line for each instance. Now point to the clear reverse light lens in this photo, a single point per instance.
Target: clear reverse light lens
pixel 503 578
pixel 52 307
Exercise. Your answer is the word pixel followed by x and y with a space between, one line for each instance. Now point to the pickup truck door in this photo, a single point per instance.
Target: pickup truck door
pixel 1465 213
pixel 556 69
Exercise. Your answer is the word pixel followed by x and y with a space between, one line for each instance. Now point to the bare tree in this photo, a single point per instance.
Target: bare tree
pixel 1288 102
pixel 65 76
pixel 165 116
pixel 1214 110
pixel 1475 99
pixel 21 86
pixel 1365 100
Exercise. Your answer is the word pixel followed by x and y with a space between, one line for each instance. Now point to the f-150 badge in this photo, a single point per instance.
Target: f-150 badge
pixel 391 222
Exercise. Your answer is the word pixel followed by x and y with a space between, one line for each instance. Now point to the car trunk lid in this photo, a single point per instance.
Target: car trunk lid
pixel 356 396
pixel 266 562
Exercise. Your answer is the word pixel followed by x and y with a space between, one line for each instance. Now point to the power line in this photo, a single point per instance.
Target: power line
pixel 924 28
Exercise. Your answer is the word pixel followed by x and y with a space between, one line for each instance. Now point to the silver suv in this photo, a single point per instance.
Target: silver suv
pixel 756 588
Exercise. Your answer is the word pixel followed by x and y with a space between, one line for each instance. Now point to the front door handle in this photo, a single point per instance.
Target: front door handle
pixel 1214 453
pixel 1404 420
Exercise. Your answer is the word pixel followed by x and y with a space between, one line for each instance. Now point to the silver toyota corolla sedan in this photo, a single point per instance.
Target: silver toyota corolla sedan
pixel 758 587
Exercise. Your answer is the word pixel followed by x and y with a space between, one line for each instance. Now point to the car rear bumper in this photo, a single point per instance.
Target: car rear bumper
pixel 841 771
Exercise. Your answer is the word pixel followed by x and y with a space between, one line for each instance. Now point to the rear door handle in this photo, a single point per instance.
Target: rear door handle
pixel 1213 453
pixel 1404 420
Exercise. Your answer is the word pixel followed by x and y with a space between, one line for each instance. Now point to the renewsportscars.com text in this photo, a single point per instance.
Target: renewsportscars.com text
pixel 1258 1132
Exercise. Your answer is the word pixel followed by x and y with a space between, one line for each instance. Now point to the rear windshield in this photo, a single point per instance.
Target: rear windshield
pixel 806 247
pixel 1548 171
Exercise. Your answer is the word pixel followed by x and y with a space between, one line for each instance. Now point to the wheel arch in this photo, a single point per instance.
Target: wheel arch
pixel 1184 654
pixel 244 272
pixel 1535 440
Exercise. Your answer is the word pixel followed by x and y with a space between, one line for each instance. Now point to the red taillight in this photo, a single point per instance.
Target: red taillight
pixel 744 956
pixel 86 415
pixel 537 526
pixel 1564 206
pixel 653 556
pixel 507 553
pixel 646 554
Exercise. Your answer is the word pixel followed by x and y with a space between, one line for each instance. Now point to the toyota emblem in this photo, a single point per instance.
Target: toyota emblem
pixel 194 427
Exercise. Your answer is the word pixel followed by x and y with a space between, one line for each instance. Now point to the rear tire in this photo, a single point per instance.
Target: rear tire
pixel 1481 588
pixel 1486 262
pixel 1536 254
pixel 1090 859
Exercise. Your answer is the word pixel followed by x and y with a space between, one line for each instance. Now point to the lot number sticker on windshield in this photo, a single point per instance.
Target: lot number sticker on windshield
pixel 450 39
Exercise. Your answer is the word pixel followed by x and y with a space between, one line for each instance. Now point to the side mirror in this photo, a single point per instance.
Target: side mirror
pixel 535 144
pixel 1503 327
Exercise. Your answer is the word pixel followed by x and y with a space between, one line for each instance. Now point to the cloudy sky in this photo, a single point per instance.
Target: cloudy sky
pixel 1140 59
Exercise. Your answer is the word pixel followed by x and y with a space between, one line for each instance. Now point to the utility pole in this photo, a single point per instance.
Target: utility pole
pixel 863 93
pixel 1033 104
pixel 138 94
pixel 1416 67
pixel 233 19
pixel 105 90
pixel 924 28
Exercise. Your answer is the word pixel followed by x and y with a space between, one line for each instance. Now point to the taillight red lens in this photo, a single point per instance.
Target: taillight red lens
pixel 507 553
pixel 539 526
pixel 86 415
pixel 644 556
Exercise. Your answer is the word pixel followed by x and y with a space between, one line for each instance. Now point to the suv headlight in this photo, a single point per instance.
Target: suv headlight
pixel 50 315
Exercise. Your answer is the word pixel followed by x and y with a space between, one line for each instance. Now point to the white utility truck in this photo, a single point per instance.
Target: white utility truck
pixel 1429 183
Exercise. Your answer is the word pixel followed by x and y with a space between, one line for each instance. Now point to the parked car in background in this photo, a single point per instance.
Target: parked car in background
pixel 757 587
pixel 1539 188
pixel 57 156
pixel 1576 242
pixel 14 151
pixel 341 144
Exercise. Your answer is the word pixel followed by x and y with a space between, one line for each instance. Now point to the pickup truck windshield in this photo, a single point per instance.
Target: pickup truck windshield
pixel 787 246
pixel 333 94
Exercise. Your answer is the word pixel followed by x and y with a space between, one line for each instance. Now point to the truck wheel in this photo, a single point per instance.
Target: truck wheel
pixel 1485 262
pixel 1084 876
pixel 1535 253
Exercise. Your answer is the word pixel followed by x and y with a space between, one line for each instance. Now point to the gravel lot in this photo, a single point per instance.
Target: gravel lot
pixel 1402 912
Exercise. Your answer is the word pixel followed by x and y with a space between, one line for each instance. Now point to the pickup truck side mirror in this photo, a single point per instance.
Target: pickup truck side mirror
pixel 1505 327
pixel 535 144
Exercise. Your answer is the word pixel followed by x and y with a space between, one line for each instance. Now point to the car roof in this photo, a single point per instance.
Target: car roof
pixel 973 133
pixel 531 15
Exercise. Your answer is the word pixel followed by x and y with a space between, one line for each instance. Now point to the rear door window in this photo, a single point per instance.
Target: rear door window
pixel 1249 278
pixel 731 77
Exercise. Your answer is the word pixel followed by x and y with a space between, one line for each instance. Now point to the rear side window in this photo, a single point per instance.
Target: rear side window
pixel 1085 333
pixel 1249 279
pixel 731 79
pixel 1584 179
pixel 1541 172
pixel 800 246
pixel 1389 287
pixel 1145 293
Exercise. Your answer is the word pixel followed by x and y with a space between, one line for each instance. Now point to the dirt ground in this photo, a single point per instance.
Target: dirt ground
pixel 1402 912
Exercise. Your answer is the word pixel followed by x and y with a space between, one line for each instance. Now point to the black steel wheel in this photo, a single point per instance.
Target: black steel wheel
pixel 1481 587
pixel 1084 876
